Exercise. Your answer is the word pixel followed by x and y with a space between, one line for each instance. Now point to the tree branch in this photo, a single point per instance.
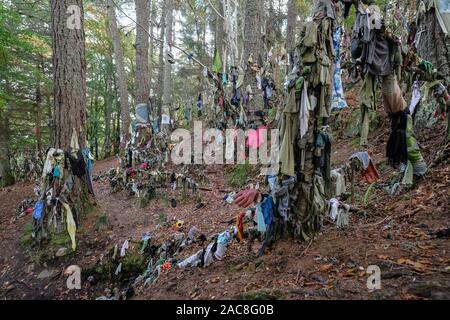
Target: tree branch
pixel 217 12
pixel 154 38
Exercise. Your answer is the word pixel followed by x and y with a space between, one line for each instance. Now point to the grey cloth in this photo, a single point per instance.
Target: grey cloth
pixel 282 194
pixel 376 55
pixel 361 26
pixel 324 8
pixel 362 156
pixel 338 181
pixel 420 168
pixel 203 257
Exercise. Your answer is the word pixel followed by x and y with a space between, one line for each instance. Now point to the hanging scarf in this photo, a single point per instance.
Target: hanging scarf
pixel 240 226
pixel 397 150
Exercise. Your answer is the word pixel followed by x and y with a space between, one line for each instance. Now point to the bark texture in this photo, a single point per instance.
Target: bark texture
pixel 253 47
pixel 69 73
pixel 6 178
pixel 220 33
pixel 142 46
pixel 121 74
pixel 290 30
pixel 167 91
pixel 151 46
pixel 433 46
pixel 160 84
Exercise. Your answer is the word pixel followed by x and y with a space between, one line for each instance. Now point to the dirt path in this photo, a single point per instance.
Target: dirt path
pixel 394 234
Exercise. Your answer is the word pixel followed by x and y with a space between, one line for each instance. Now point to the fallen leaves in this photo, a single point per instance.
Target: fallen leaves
pixel 325 267
pixel 418 266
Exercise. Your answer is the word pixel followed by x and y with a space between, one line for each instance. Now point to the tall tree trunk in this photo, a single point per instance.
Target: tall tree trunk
pixel 151 45
pixel 69 86
pixel 253 46
pixel 108 107
pixel 161 65
pixel 290 32
pixel 433 46
pixel 38 110
pixel 116 131
pixel 109 95
pixel 220 32
pixel 6 178
pixel 69 74
pixel 50 118
pixel 121 75
pixel 96 127
pixel 141 45
pixel 167 91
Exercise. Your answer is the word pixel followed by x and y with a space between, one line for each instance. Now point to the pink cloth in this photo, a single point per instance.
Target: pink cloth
pixel 255 138
pixel 144 166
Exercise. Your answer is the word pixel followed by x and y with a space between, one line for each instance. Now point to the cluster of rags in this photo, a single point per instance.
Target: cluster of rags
pixel 304 181
pixel 234 104
pixel 420 83
pixel 384 59
pixel 142 169
pixel 358 163
pixel 139 264
pixel 223 101
pixel 57 207
pixel 297 193
pixel 258 221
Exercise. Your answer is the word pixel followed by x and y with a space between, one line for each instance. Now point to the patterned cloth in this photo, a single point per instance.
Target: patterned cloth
pixel 338 97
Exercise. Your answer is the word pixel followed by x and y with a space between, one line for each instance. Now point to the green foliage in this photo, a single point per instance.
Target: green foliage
pixel 26 239
pixel 102 222
pixel 25 52
pixel 272 114
pixel 60 239
pixel 162 217
pixel 239 175
pixel 368 193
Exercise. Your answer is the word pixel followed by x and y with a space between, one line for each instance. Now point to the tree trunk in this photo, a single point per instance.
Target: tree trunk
pixel 69 86
pixel 108 107
pixel 290 32
pixel 38 111
pixel 142 45
pixel 433 46
pixel 160 84
pixel 253 46
pixel 50 115
pixel 6 178
pixel 151 45
pixel 220 31
pixel 167 91
pixel 116 122
pixel 96 126
pixel 121 75
pixel 69 75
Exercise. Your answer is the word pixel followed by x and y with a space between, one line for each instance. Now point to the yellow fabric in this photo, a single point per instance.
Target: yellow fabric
pixel 71 226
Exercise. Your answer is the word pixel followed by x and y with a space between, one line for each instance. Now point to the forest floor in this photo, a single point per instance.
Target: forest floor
pixel 398 234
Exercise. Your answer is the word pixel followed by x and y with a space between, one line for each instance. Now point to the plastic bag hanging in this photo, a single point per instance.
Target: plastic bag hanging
pixel 305 106
pixel 74 145
pixel 217 63
pixel 168 50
